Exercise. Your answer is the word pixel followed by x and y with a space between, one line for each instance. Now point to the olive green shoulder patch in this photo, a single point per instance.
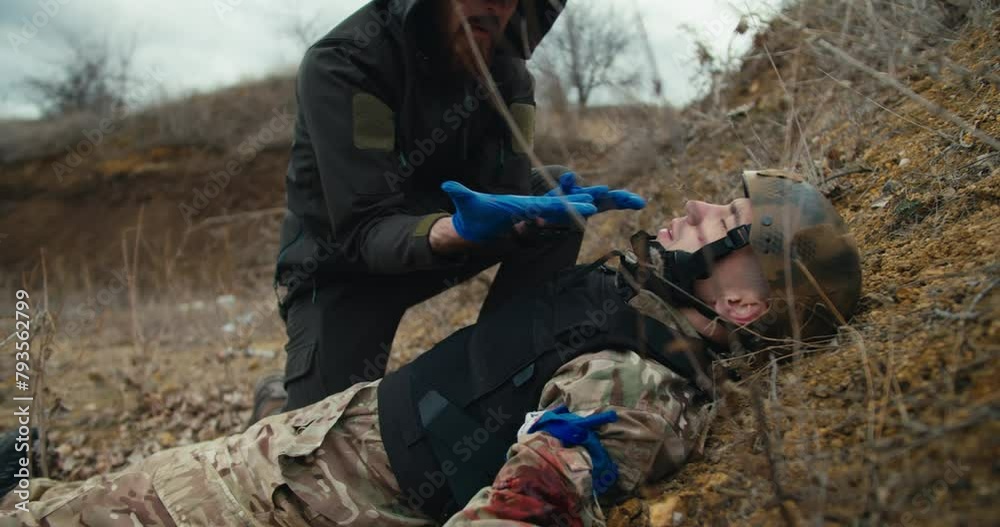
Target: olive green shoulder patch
pixel 374 124
pixel 524 116
pixel 423 227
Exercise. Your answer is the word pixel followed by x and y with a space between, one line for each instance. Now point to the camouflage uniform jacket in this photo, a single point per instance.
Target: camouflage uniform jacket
pixel 325 464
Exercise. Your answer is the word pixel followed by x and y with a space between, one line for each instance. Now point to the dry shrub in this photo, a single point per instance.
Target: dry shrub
pixel 219 120
pixel 30 139
pixel 611 144
pixel 225 118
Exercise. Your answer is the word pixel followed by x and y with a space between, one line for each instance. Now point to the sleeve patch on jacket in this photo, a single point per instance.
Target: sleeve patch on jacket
pixel 423 227
pixel 374 124
pixel 524 116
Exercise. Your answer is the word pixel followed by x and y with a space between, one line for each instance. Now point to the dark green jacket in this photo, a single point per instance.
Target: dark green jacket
pixel 380 126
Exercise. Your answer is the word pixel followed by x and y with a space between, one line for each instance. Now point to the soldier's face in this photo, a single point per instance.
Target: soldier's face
pixel 488 20
pixel 737 289
pixel 704 223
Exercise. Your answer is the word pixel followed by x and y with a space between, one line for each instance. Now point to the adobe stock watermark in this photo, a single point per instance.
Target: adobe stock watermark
pixel 374 367
pixel 924 500
pixel 108 125
pixel 727 23
pixel 464 449
pixel 595 320
pixel 425 147
pixel 256 314
pixel 301 273
pixel 247 151
pixel 362 35
pixel 31 26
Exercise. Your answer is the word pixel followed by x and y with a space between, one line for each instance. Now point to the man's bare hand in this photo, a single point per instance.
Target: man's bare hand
pixel 444 239
pixel 522 226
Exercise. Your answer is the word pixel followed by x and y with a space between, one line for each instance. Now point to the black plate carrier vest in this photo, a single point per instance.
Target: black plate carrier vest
pixel 448 417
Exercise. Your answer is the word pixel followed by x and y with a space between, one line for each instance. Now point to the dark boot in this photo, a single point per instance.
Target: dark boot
pixel 269 397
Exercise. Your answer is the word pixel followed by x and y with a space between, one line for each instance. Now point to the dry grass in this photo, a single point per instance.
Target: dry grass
pixel 219 121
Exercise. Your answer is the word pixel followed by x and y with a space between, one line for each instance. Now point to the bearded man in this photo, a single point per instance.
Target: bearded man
pixel 392 103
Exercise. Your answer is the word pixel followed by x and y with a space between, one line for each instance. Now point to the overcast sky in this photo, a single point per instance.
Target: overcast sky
pixel 203 44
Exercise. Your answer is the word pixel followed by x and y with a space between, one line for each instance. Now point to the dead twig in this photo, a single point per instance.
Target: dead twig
pixel 131 270
pixel 849 170
pixel 39 388
pixel 978 415
pixel 968 314
pixel 793 116
pixel 496 98
pixel 772 446
pixel 233 218
pixel 931 107
pixel 967 73
pixel 847 85
pixel 964 315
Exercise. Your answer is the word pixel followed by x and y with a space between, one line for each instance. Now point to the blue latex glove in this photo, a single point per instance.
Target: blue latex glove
pixel 480 217
pixel 604 197
pixel 572 430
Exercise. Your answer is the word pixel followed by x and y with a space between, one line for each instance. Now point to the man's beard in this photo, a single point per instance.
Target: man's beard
pixel 463 57
pixel 461 51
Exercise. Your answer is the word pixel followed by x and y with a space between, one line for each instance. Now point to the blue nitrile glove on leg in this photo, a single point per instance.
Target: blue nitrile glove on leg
pixel 481 217
pixel 573 430
pixel 604 197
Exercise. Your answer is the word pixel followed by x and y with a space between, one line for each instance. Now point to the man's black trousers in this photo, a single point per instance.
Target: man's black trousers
pixel 340 333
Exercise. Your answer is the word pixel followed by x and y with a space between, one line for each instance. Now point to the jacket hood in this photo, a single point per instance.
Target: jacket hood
pixel 529 25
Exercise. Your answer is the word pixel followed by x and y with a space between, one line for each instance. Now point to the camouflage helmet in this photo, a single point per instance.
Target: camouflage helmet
pixel 805 251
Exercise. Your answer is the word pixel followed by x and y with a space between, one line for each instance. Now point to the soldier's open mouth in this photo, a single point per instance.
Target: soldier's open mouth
pixel 747 313
pixel 484 26
pixel 480 31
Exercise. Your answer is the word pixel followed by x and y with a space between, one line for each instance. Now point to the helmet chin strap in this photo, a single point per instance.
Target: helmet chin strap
pixel 674 280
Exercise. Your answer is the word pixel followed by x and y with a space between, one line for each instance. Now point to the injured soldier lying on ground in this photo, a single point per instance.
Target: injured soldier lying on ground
pixel 554 407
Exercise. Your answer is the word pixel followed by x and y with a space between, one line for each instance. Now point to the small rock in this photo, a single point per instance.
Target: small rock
pixel 226 300
pixel 262 353
pixel 903 162
pixel 167 439
pixel 632 513
pixel 662 513
pixel 890 187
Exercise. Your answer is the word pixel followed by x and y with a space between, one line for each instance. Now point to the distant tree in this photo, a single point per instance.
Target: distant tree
pixel 303 31
pixel 586 49
pixel 551 92
pixel 94 76
pixel 300 25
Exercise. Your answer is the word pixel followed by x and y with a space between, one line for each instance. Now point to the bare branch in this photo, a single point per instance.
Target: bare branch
pixel 584 49
pixel 95 77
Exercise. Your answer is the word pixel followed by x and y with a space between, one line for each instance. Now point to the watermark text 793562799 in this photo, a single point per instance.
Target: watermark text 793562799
pixel 22 398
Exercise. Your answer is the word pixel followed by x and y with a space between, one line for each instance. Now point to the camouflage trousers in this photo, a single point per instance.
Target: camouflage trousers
pixel 320 465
